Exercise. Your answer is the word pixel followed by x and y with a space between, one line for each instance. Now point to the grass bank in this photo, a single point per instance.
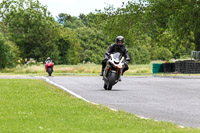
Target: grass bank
pixel 35 106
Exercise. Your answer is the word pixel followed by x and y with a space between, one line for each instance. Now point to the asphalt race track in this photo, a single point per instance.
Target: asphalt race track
pixel 161 98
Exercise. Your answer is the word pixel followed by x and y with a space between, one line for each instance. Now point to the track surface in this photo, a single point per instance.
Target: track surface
pixel 161 98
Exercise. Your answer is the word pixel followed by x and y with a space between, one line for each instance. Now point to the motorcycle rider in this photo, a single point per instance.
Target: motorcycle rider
pixel 48 60
pixel 117 47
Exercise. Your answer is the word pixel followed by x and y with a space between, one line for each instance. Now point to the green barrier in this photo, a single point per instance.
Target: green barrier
pixel 156 67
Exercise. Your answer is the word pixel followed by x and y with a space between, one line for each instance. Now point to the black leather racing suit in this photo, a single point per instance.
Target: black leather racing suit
pixel 116 48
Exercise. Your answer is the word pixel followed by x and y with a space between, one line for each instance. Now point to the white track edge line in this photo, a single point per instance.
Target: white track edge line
pixel 70 92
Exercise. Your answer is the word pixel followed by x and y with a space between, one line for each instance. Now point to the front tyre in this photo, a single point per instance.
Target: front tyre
pixel 112 79
pixel 105 86
pixel 49 71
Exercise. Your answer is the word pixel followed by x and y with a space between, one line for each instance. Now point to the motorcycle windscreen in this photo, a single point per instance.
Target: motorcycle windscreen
pixel 117 56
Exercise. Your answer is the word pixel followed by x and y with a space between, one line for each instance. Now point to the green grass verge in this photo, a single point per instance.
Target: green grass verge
pixel 81 69
pixel 29 105
pixel 84 70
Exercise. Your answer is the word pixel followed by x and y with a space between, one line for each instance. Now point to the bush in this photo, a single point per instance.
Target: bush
pixel 160 53
pixel 139 55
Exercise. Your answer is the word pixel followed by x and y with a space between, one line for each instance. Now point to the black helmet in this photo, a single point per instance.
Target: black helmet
pixel 119 38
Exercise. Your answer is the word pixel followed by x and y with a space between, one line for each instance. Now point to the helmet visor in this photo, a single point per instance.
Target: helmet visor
pixel 120 42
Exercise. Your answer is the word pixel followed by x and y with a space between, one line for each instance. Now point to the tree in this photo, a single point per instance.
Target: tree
pixel 9 54
pixel 69 21
pixel 93 43
pixel 69 46
pixel 32 28
pixel 125 21
pixel 182 16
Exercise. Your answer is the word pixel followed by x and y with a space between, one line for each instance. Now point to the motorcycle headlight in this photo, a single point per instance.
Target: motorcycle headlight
pixel 119 66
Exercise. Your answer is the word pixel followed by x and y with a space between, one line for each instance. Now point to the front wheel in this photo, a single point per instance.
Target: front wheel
pixel 109 86
pixel 105 86
pixel 112 79
pixel 49 71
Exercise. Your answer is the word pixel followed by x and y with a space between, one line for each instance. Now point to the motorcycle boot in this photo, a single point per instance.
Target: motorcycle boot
pixel 101 74
pixel 120 78
pixel 103 67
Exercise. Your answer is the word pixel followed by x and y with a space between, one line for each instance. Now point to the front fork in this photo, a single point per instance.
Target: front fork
pixel 106 70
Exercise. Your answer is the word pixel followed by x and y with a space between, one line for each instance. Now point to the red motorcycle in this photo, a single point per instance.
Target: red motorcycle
pixel 49 67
